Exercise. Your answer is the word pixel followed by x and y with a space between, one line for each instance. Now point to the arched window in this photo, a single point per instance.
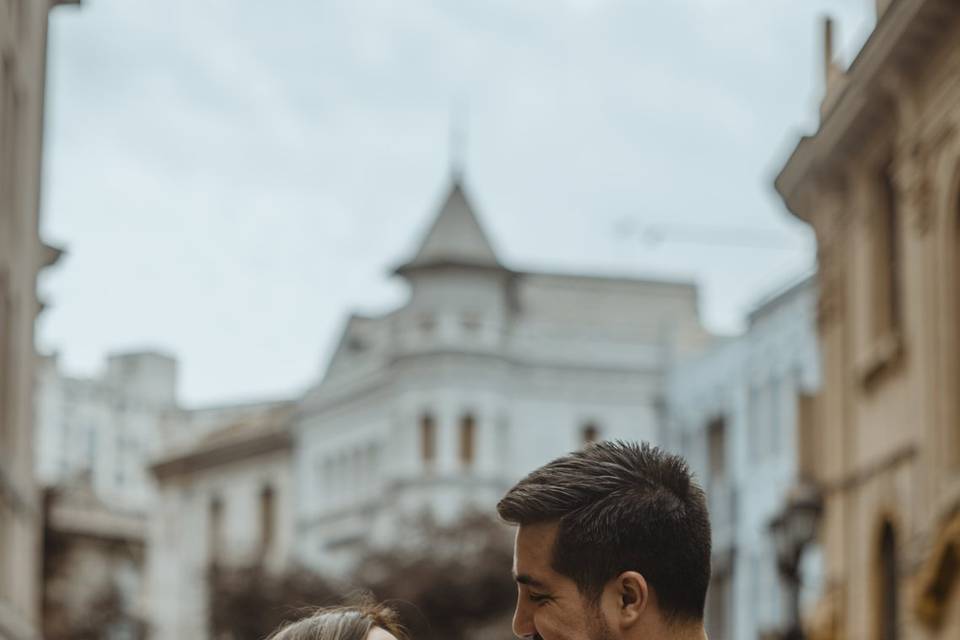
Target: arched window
pixel 267 519
pixel 468 429
pixel 888 601
pixel 428 439
pixel 590 434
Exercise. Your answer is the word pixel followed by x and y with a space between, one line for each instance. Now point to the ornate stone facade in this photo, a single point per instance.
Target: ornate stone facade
pixel 880 184
pixel 23 34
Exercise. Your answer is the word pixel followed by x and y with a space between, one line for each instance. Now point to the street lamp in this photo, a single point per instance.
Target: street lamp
pixel 793 529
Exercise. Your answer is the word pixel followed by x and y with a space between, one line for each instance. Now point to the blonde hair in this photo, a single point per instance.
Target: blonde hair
pixel 342 623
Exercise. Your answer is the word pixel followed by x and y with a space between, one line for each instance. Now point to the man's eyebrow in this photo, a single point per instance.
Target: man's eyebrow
pixel 530 581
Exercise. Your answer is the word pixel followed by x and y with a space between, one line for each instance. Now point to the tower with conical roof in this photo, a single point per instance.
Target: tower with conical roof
pixel 456 237
pixel 456 279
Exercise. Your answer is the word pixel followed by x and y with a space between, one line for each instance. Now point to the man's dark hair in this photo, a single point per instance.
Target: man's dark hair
pixel 622 506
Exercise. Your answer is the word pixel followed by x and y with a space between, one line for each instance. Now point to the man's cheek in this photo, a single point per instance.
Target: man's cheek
pixel 548 629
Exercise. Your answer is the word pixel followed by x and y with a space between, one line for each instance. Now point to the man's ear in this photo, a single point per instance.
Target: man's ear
pixel 634 596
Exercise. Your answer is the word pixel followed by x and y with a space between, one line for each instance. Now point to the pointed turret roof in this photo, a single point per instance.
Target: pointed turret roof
pixel 455 237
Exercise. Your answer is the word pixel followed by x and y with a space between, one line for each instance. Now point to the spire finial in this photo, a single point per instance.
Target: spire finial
pixel 458 137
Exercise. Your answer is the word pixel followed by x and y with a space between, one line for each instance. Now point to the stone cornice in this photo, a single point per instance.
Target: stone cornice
pixel 215 455
pixel 97 522
pixel 866 104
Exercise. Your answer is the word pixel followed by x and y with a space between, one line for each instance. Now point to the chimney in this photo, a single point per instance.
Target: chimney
pixel 828 50
pixel 834 78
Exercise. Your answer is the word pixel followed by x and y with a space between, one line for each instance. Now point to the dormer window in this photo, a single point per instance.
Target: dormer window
pixel 428 439
pixel 468 428
pixel 471 322
pixel 427 323
pixel 356 344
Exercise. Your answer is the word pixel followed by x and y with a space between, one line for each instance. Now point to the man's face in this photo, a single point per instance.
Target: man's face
pixel 549 605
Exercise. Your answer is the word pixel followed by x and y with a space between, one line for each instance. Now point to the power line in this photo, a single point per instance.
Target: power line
pixel 736 237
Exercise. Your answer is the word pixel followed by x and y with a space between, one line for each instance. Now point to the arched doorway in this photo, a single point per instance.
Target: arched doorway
pixel 888 585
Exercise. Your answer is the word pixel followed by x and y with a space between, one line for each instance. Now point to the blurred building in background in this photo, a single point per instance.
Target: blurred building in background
pixel 225 502
pixel 93 569
pixel 106 430
pixel 733 412
pixel 23 45
pixel 428 412
pixel 879 182
pixel 483 375
pixel 96 439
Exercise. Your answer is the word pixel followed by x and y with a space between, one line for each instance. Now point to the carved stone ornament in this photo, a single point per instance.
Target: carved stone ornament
pixel 918 178
pixel 913 181
pixel 831 288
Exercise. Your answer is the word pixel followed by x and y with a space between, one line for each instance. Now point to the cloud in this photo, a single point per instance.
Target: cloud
pixel 231 178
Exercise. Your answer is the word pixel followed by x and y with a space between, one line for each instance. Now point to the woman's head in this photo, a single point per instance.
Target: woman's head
pixel 360 622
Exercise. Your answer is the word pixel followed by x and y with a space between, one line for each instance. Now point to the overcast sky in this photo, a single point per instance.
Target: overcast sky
pixel 232 178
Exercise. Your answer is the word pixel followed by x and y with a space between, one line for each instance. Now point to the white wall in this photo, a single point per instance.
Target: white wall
pixel 179 548
pixel 109 427
pixel 564 354
pixel 753 382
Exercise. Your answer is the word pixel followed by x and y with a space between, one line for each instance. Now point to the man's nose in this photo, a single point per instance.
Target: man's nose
pixel 523 621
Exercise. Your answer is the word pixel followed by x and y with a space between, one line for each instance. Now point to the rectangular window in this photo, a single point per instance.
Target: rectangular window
pixel 427 324
pixel 755 428
pixel 428 437
pixel 215 524
pixel 471 322
pixel 468 428
pixel 717 443
pixel 774 425
pixel 267 519
pixel 806 434
pixel 886 307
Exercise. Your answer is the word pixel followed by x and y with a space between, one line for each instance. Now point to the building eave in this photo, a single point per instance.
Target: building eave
pixel 406 270
pixel 213 456
pixel 900 39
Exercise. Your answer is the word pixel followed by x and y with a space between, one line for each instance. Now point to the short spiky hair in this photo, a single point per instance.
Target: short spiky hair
pixel 622 506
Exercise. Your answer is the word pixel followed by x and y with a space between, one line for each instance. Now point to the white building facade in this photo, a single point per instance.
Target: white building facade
pixel 105 429
pixel 161 468
pixel 733 413
pixel 426 412
pixel 228 501
pixel 484 374
pixel 23 66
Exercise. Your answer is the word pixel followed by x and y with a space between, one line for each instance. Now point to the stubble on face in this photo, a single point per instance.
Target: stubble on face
pixel 549 605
